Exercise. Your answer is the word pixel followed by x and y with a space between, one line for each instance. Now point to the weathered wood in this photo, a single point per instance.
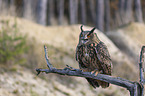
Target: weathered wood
pixel 141 69
pixel 110 79
pixel 135 88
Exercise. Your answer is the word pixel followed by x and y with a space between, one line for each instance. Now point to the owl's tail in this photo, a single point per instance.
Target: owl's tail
pixel 103 84
pixel 97 83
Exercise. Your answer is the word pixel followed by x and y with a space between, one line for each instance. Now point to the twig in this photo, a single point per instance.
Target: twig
pixel 135 88
pixel 141 69
pixel 49 65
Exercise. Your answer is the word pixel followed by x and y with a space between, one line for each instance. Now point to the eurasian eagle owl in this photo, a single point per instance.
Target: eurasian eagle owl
pixel 93 56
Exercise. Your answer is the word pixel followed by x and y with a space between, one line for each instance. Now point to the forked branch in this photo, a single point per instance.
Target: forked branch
pixel 135 88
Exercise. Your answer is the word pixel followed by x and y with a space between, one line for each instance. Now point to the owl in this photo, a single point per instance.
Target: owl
pixel 93 56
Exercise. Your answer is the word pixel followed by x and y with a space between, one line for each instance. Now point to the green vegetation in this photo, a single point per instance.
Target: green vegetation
pixel 12 43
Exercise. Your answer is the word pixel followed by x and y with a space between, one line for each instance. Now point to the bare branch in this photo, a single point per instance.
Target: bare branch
pixel 141 69
pixel 46 57
pixel 110 79
pixel 135 88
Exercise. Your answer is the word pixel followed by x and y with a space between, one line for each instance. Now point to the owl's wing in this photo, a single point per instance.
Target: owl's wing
pixel 104 58
pixel 79 54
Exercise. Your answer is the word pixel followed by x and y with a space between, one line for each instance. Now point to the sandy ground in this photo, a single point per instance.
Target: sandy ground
pixel 62 41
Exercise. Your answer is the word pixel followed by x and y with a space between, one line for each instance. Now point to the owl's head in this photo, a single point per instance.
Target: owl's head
pixel 87 37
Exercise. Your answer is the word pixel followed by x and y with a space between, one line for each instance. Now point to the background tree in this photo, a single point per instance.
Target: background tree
pixel 50 11
pixel 83 11
pixel 107 15
pixel 104 14
pixel 121 7
pixel 128 11
pixel 41 11
pixel 91 4
pixel 27 9
pixel 73 14
pixel 100 14
pixel 60 8
pixel 138 11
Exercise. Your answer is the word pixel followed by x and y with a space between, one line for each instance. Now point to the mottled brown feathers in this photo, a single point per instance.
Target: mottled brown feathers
pixel 93 55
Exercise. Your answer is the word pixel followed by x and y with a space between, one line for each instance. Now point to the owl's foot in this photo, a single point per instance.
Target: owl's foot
pixel 95 72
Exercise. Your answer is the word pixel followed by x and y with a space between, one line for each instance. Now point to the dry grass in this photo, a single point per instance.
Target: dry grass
pixel 61 42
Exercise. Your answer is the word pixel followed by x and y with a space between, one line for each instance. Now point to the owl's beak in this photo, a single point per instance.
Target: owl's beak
pixel 84 38
pixel 84 41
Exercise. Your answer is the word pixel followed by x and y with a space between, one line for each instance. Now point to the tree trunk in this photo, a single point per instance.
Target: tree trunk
pixel 107 15
pixel 12 7
pixel 41 11
pixel 50 12
pixel 1 1
pixel 92 11
pixel 73 7
pixel 60 10
pixel 128 11
pixel 83 11
pixel 27 9
pixel 100 15
pixel 138 11
pixel 122 10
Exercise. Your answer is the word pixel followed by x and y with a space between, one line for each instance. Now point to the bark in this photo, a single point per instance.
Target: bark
pixel 135 88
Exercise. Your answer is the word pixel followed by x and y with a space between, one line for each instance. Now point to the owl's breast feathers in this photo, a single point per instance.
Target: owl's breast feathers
pixel 94 56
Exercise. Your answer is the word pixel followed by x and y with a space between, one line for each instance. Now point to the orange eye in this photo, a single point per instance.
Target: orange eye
pixel 88 36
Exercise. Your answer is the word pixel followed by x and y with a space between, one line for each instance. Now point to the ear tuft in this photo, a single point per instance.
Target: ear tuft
pixel 82 28
pixel 93 29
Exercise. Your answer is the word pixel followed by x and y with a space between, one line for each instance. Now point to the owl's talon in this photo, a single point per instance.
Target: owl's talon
pixel 95 72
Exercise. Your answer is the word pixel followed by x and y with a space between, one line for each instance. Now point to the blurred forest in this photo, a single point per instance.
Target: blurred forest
pixel 102 14
pixel 22 41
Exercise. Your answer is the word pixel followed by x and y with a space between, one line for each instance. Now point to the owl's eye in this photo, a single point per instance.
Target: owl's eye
pixel 81 35
pixel 88 36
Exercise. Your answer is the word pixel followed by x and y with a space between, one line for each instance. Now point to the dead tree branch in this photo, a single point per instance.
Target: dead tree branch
pixel 135 88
